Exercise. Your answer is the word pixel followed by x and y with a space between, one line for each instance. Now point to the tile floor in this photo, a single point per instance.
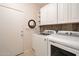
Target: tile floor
pixel 29 53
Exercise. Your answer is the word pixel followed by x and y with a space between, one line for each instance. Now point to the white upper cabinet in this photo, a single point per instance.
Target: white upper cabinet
pixel 68 13
pixel 43 14
pixel 60 14
pixel 49 14
pixel 52 13
pixel 75 12
pixel 64 13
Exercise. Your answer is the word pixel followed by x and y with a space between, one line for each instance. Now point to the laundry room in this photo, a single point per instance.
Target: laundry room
pixel 39 29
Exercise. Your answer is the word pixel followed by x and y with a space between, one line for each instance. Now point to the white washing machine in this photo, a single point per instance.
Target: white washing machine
pixel 64 43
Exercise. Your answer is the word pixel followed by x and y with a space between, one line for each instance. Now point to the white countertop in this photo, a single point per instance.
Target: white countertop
pixel 69 41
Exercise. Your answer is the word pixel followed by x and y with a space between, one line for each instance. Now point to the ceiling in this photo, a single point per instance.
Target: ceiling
pixel 40 4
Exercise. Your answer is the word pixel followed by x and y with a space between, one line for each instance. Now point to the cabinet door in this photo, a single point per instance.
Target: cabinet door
pixel 49 14
pixel 39 44
pixel 64 13
pixel 43 14
pixel 67 12
pixel 60 13
pixel 75 12
pixel 52 14
pixel 43 47
pixel 36 44
pixel 11 42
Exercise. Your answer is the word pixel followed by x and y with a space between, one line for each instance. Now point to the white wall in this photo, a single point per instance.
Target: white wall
pixel 31 11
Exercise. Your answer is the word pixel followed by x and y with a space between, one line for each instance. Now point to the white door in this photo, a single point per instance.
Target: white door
pixel 11 42
pixel 27 35
pixel 27 42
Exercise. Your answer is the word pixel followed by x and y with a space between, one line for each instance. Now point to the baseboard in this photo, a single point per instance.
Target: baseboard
pixel 28 52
